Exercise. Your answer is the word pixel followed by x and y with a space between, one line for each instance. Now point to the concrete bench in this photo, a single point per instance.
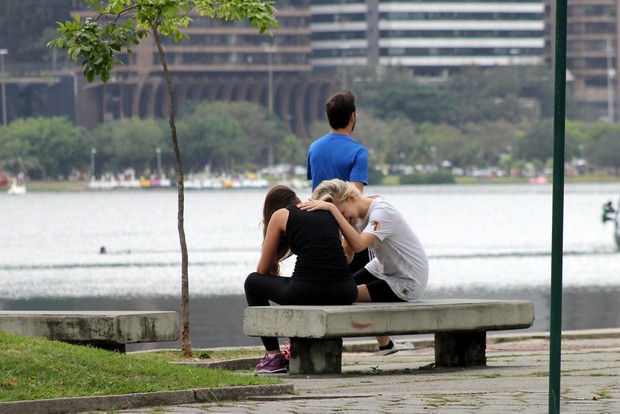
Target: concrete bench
pixel 316 332
pixel 110 330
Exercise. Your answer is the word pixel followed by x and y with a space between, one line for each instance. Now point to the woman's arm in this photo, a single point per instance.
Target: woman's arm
pixel 348 251
pixel 356 241
pixel 275 230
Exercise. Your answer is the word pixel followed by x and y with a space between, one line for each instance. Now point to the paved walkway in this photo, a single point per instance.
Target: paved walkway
pixel 515 380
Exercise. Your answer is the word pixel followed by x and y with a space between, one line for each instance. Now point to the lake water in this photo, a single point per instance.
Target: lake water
pixel 483 241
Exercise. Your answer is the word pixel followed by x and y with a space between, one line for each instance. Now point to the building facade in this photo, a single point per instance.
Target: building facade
pixel 310 55
pixel 592 40
pixel 321 43
pixel 221 61
pixel 432 38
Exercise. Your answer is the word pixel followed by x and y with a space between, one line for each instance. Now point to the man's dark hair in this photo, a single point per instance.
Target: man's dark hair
pixel 339 109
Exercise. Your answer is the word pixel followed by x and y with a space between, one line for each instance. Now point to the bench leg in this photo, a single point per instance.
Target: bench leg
pixel 315 356
pixel 460 349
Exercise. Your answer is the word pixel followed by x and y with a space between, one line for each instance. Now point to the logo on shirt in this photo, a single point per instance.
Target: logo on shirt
pixel 375 225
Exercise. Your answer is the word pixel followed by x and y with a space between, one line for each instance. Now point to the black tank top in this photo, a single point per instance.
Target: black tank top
pixel 315 238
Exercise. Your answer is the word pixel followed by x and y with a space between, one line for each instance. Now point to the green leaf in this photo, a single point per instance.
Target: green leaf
pixel 90 76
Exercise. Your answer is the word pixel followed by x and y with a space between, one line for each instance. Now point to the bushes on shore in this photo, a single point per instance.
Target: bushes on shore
pixel 436 177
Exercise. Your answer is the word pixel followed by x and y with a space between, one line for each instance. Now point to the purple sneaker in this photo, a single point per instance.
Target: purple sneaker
pixel 272 364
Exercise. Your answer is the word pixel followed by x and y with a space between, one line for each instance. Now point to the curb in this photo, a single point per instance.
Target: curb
pixel 364 345
pixel 492 338
pixel 138 400
pixel 230 365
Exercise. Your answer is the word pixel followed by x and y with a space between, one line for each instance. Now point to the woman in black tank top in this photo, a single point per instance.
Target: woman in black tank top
pixel 321 275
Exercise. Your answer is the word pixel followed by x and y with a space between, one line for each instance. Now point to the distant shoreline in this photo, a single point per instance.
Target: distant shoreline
pixel 72 186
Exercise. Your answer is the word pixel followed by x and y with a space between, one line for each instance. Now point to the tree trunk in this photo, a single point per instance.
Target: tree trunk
pixel 186 345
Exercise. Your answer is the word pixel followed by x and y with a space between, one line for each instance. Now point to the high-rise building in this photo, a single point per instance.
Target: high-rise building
pixel 592 49
pixel 432 38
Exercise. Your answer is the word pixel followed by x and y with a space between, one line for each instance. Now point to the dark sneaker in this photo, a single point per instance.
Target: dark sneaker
pixel 272 364
pixel 397 347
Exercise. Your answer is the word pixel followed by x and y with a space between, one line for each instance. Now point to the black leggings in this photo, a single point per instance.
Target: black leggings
pixel 360 259
pixel 378 289
pixel 260 289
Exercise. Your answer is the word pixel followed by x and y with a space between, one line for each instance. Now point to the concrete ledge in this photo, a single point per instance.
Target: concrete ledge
pixel 105 329
pixel 360 345
pixel 149 399
pixel 240 393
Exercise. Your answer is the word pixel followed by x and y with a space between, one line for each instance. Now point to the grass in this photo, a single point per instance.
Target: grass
pixel 602 393
pixel 522 180
pixel 491 180
pixel 440 400
pixel 394 180
pixel 56 186
pixel 37 368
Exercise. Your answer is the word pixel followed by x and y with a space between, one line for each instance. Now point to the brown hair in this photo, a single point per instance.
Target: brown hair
pixel 279 196
pixel 339 109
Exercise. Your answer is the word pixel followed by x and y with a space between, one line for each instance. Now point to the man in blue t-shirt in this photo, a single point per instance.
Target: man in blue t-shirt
pixel 337 155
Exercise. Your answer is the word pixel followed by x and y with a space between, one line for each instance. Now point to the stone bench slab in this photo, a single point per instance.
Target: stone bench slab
pixel 368 319
pixel 316 332
pixel 105 329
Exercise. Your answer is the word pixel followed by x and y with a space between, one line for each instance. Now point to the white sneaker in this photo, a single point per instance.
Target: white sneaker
pixel 403 346
pixel 397 347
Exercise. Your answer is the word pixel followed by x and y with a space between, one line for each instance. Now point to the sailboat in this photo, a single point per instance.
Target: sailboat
pixel 17 188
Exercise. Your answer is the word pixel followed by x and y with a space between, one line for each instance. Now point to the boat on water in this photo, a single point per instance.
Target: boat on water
pixel 17 188
pixel 279 174
pixel 192 182
pixel 128 180
pixel 612 214
pixel 539 179
pixel 205 183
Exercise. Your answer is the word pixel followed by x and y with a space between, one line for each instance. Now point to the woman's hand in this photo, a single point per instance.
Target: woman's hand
pixel 357 242
pixel 313 205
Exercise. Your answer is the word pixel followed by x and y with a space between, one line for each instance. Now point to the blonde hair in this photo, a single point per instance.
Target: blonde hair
pixel 335 191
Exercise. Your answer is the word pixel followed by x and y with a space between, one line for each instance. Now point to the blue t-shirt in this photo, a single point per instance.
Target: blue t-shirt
pixel 337 156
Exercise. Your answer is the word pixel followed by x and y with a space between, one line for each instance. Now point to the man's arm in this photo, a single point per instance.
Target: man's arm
pixel 359 186
pixel 359 172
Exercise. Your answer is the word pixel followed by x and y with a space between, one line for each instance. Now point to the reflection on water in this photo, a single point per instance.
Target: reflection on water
pixel 217 321
pixel 223 273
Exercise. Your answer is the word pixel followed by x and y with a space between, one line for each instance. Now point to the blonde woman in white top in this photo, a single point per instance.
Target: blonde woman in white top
pixel 398 269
